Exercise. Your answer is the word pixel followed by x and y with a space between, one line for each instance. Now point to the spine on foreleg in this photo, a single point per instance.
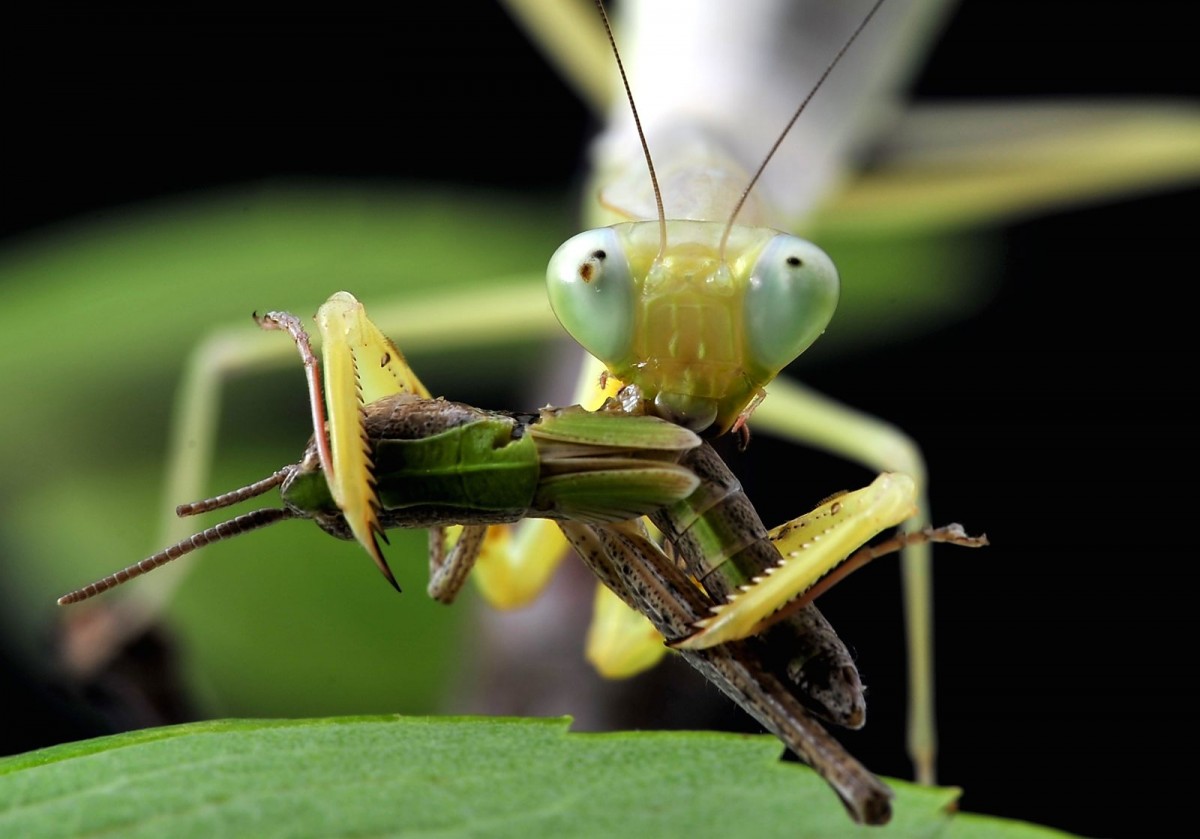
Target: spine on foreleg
pixel 722 541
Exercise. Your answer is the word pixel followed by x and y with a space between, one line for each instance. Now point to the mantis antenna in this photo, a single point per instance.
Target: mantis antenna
pixel 737 208
pixel 637 121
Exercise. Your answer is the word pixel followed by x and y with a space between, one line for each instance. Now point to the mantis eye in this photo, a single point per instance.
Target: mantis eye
pixel 592 293
pixel 791 297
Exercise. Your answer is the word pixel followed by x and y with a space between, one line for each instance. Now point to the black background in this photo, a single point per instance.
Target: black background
pixel 1069 700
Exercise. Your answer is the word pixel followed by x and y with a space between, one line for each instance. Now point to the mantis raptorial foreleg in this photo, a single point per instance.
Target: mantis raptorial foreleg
pixel 507 307
pixel 805 416
pixel 362 366
pixel 809 547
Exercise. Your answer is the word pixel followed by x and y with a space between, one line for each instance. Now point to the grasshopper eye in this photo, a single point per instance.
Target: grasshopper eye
pixel 591 290
pixel 791 297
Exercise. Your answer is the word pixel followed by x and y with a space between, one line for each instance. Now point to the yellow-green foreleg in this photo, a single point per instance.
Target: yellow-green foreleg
pixel 515 563
pixel 621 642
pixel 361 365
pixel 807 417
pixel 810 547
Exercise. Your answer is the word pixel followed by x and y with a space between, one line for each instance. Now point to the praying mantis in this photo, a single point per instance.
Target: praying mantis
pixel 907 461
pixel 679 400
pixel 764 412
pixel 170 337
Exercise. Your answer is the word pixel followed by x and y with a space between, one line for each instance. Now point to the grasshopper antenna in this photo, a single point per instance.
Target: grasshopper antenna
pixel 228 499
pixel 795 116
pixel 225 530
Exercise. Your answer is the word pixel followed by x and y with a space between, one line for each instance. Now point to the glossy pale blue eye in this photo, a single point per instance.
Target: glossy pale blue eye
pixel 592 293
pixel 791 297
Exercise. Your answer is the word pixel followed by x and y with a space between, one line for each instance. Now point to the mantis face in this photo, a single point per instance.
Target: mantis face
pixel 701 325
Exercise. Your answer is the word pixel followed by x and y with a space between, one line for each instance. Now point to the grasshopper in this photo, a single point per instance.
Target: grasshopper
pixel 406 460
pixel 391 456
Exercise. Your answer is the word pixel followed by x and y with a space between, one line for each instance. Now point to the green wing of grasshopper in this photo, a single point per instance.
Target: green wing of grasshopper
pixel 474 466
pixel 601 467
pixel 573 426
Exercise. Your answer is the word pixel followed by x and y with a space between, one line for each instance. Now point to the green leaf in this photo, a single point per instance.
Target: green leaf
pixel 446 776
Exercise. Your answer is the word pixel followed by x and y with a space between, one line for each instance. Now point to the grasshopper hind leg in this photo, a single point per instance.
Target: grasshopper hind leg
pixel 826 680
pixel 623 557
